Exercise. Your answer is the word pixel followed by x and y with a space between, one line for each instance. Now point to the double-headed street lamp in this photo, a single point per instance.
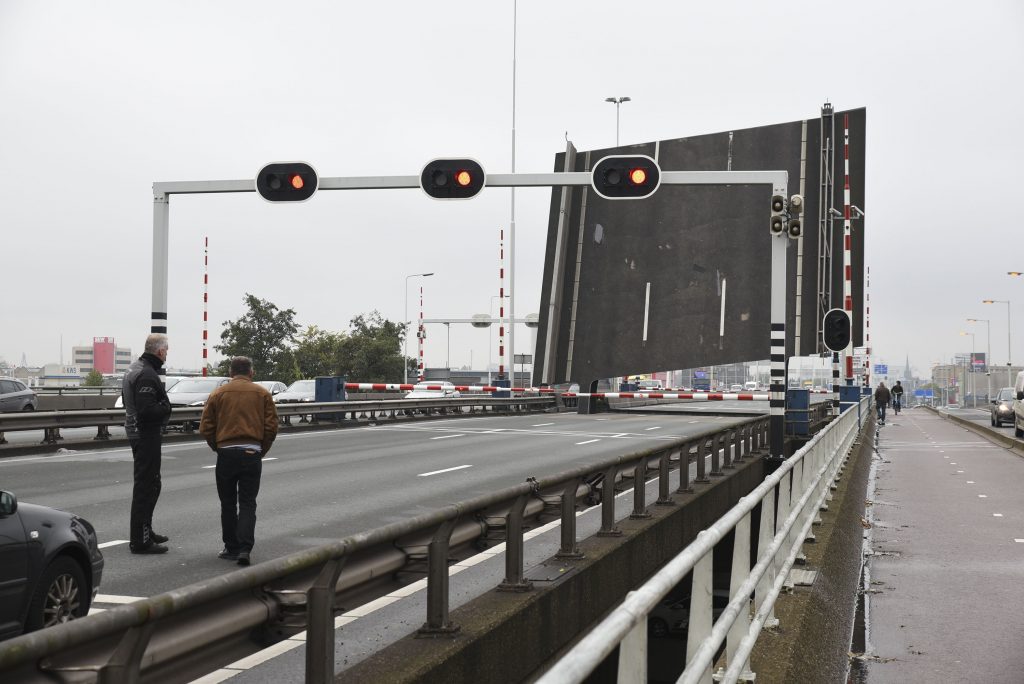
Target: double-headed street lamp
pixel 405 358
pixel 1009 363
pixel 988 350
pixel 618 101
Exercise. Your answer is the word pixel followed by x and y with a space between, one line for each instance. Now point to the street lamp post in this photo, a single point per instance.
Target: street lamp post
pixel 988 351
pixel 618 101
pixel 1009 363
pixel 405 358
pixel 974 388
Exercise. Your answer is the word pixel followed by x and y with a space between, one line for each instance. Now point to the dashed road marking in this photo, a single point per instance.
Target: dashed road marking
pixel 997 515
pixel 115 542
pixel 656 427
pixel 589 441
pixel 446 470
pixel 447 436
pixel 970 482
pixel 542 424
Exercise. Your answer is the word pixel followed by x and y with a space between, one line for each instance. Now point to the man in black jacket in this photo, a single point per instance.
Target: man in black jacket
pixel 146 410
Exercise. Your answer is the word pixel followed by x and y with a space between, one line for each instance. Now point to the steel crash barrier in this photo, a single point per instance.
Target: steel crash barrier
pixel 188 632
pixel 802 484
pixel 50 422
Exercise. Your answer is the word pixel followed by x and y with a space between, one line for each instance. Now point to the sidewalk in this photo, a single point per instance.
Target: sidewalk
pixel 946 592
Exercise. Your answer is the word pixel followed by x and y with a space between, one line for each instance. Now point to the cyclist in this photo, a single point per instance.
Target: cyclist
pixel 897 397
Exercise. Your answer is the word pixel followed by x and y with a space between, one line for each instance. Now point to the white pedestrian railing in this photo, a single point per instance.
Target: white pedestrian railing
pixel 802 485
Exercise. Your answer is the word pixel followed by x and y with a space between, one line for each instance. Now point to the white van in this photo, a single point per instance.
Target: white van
pixel 750 386
pixel 1018 405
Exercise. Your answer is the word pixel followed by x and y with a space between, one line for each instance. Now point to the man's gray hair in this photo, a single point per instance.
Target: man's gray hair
pixel 240 365
pixel 155 342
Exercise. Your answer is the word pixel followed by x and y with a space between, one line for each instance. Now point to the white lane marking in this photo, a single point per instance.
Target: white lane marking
pixel 542 424
pixel 447 436
pixel 656 427
pixel 115 542
pixel 589 441
pixel 491 432
pixel 270 458
pixel 111 598
pixel 959 471
pixel 983 496
pixel 970 482
pixel 209 466
pixel 446 470
pixel 1019 541
pixel 997 515
pixel 620 434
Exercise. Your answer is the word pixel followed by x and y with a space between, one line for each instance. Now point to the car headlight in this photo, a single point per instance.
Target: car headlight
pixel 1003 408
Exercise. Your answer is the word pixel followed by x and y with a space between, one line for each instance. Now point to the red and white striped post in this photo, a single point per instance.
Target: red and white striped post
pixel 867 329
pixel 206 290
pixel 501 304
pixel 847 241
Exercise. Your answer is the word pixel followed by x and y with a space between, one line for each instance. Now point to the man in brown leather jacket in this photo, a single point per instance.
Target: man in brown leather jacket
pixel 239 423
pixel 882 398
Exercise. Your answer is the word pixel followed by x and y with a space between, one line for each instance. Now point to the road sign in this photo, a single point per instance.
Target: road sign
pixel 918 393
pixel 523 358
pixel 881 369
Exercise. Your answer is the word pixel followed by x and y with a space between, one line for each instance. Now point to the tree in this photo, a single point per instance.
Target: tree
pixel 264 334
pixel 94 379
pixel 317 353
pixel 372 349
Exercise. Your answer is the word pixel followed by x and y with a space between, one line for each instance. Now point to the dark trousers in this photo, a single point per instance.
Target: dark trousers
pixel 146 454
pixel 881 412
pixel 238 483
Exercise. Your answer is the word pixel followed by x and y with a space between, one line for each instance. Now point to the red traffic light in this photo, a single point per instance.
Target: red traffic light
pixel 626 177
pixel 287 182
pixel 452 178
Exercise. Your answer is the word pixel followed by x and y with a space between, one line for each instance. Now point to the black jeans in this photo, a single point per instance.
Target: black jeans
pixel 238 483
pixel 146 454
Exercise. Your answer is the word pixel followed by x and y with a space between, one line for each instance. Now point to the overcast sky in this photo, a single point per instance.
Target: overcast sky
pixel 101 99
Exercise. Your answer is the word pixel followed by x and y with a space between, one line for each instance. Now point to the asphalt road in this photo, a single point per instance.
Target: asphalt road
pixel 321 486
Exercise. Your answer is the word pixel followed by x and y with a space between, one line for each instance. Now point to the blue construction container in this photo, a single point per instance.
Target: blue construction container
pixel 798 412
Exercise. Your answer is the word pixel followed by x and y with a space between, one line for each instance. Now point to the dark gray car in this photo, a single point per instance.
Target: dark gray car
pixel 50 566
pixel 15 396
pixel 1002 407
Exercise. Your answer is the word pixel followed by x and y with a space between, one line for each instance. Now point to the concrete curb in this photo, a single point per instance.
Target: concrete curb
pixel 1011 443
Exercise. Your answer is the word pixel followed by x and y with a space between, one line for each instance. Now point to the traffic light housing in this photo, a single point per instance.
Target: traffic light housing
pixel 794 228
pixel 835 330
pixel 452 179
pixel 626 177
pixel 287 182
pixel 778 220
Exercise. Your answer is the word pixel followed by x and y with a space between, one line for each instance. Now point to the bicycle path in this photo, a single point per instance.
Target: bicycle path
pixel 946 567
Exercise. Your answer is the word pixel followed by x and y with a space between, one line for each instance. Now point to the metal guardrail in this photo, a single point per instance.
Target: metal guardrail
pixel 52 421
pixel 802 484
pixel 182 634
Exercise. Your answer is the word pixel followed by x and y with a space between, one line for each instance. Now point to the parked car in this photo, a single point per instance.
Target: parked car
pixel 169 382
pixel 1002 406
pixel 650 386
pixel 15 396
pixel 272 386
pixel 671 616
pixel 1018 405
pixel 50 566
pixel 300 390
pixel 193 391
pixel 420 391
pixel 736 388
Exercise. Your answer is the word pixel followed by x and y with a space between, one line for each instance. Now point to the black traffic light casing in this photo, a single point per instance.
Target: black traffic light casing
pixel 626 177
pixel 778 220
pixel 452 179
pixel 794 227
pixel 835 330
pixel 287 182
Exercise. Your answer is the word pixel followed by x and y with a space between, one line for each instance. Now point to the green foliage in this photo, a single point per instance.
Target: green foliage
pixel 264 334
pixel 94 379
pixel 317 353
pixel 372 350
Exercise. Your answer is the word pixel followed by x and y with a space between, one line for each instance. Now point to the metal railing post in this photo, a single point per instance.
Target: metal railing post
pixel 608 527
pixel 126 660
pixel 633 654
pixel 766 533
pixel 664 495
pixel 437 583
pixel 514 580
pixel 102 433
pixel 702 458
pixel 700 620
pixel 684 469
pixel 717 446
pixel 569 547
pixel 740 572
pixel 729 453
pixel 640 491
pixel 320 623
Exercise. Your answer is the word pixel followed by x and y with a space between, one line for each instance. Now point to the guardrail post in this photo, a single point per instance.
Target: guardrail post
pixel 437 623
pixel 702 457
pixel 749 450
pixel 766 534
pixel 320 623
pixel 102 433
pixel 740 572
pixel 569 548
pixel 717 445
pixel 664 495
pixel 3 440
pixel 700 620
pixel 731 450
pixel 640 491
pixel 514 580
pixel 684 469
pixel 633 654
pixel 51 435
pixel 608 526
pixel 126 660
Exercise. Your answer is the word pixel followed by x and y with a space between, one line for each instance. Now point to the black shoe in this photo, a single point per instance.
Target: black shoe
pixel 243 558
pixel 158 538
pixel 228 555
pixel 148 549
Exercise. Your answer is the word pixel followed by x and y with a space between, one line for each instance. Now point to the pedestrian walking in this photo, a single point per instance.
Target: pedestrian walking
pixel 239 423
pixel 882 399
pixel 146 410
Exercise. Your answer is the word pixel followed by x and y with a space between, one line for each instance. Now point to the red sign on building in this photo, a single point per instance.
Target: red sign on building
pixel 103 354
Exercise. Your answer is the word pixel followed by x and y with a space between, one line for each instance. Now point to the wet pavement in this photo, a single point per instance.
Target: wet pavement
pixel 945 577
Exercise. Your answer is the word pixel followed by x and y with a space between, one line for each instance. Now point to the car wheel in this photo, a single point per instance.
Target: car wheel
pixel 992 421
pixel 60 596
pixel 657 628
pixel 29 407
